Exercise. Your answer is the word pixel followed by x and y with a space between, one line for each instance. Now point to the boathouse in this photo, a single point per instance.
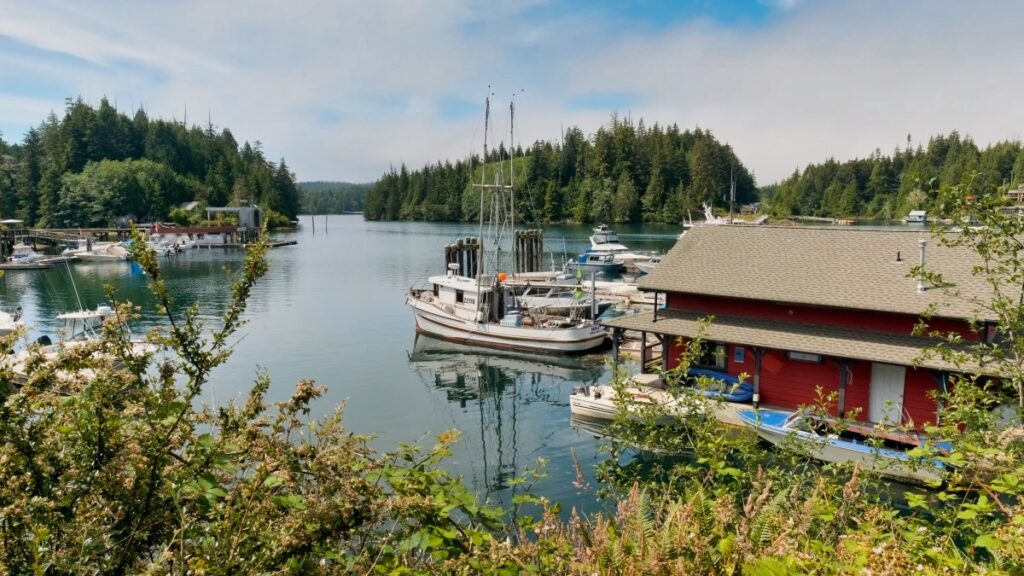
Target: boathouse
pixel 797 308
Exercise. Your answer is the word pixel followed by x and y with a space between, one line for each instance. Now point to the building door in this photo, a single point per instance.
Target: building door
pixel 885 404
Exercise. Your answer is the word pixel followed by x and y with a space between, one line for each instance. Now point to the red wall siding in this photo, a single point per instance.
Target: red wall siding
pixel 860 319
pixel 789 383
pixel 916 389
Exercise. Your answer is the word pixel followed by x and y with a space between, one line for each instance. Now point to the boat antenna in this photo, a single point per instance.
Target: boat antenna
pixel 73 287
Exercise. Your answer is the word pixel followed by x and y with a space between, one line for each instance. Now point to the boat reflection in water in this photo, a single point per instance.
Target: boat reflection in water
pixel 512 409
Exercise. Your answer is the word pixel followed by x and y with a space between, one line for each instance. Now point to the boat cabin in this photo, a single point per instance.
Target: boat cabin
pixel 799 310
pixel 916 217
pixel 487 301
pixel 604 239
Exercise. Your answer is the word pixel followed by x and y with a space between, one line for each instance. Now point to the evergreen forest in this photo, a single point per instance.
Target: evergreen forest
pixel 332 197
pixel 888 187
pixel 625 172
pixel 96 166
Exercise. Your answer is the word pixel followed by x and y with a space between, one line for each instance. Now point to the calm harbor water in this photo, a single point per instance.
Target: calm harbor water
pixel 332 309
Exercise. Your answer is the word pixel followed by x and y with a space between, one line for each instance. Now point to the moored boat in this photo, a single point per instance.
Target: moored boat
pixel 24 254
pixel 880 451
pixel 594 261
pixel 80 328
pixel 471 304
pixel 648 266
pixel 10 322
pixel 105 252
pixel 605 240
pixel 726 396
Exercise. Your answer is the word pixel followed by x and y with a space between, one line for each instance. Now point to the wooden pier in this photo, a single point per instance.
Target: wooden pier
pixel 236 237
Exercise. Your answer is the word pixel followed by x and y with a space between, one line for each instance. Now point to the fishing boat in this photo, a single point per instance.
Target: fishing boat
pixel 477 307
pixel 603 239
pixel 881 451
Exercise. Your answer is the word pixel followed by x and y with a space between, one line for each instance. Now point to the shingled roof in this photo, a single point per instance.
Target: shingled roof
pixel 863 269
pixel 837 342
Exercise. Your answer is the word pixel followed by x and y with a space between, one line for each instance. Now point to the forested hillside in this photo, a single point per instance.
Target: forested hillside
pixel 625 172
pixel 888 187
pixel 95 166
pixel 332 197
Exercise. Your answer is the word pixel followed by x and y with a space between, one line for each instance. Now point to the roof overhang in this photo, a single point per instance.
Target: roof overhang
pixel 904 350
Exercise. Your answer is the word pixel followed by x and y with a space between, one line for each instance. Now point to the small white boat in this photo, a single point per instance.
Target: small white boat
pixel 105 252
pixel 603 402
pixel 80 328
pixel 558 299
pixel 24 254
pixel 10 322
pixel 648 266
pixel 74 247
pixel 724 399
pixel 881 451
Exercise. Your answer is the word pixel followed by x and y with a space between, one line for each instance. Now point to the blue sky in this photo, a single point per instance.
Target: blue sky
pixel 344 90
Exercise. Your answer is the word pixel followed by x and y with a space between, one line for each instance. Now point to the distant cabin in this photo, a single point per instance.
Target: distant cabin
pixel 916 217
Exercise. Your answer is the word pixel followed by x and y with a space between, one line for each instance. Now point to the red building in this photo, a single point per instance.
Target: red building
pixel 797 308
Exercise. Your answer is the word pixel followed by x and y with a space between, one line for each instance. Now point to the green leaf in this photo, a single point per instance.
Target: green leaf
pixel 294 501
pixel 967 514
pixel 988 541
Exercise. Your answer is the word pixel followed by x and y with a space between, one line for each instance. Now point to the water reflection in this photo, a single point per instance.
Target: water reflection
pixel 509 396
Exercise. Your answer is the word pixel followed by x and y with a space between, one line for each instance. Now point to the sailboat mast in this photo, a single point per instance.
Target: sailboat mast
pixel 512 176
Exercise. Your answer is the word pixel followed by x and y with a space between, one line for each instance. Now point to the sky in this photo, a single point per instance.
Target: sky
pixel 343 90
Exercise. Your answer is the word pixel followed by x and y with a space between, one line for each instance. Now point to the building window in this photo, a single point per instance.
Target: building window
pixel 804 356
pixel 713 355
pixel 737 354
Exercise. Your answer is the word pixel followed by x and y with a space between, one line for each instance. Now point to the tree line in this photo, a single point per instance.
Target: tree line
pixel 625 172
pixel 98 166
pixel 889 186
pixel 332 197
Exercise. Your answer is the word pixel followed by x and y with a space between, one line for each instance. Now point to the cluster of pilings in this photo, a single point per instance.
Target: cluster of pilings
pixel 465 253
pixel 529 250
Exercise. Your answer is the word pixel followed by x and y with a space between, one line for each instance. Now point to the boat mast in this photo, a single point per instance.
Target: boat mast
pixel 512 177
pixel 481 257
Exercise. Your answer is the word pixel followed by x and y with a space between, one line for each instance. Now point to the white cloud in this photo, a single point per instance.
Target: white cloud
pixel 816 80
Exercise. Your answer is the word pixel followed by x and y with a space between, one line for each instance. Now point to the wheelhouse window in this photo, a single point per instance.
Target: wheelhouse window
pixel 713 355
pixel 458 295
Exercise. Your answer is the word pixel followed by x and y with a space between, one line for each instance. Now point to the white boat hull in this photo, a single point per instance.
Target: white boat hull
pixel 435 321
pixel 598 403
pixel 822 449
